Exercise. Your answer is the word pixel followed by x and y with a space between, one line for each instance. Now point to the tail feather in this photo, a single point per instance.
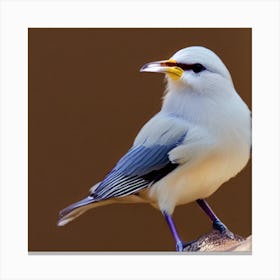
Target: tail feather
pixel 74 210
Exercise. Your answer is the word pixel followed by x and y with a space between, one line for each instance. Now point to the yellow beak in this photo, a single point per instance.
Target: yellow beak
pixel 168 67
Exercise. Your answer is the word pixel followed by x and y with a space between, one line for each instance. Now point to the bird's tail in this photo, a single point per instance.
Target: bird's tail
pixel 76 209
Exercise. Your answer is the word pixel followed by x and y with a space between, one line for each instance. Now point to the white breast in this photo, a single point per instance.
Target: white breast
pixel 188 183
pixel 228 155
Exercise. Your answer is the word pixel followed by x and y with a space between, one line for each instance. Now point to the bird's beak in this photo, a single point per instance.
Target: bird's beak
pixel 168 67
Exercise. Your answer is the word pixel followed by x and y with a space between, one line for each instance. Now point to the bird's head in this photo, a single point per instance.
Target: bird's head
pixel 195 68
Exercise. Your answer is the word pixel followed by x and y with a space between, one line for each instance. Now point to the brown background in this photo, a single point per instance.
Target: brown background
pixel 87 101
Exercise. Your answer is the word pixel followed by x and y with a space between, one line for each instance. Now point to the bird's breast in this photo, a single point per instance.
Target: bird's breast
pixel 190 182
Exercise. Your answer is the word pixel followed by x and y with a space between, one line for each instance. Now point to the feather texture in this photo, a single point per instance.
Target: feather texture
pixel 138 169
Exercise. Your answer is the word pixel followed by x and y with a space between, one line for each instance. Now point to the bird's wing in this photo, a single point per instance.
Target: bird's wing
pixel 146 162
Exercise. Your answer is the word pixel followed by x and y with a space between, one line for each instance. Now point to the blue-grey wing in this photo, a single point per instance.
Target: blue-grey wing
pixel 139 168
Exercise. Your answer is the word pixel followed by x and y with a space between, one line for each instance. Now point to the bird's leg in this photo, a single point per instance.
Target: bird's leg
pixel 217 223
pixel 178 240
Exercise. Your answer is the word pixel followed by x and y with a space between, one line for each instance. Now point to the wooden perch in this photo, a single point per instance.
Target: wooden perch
pixel 216 242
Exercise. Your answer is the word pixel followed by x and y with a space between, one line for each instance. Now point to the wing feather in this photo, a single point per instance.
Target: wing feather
pixel 145 163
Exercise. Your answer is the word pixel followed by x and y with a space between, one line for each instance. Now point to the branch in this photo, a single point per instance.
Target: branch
pixel 216 242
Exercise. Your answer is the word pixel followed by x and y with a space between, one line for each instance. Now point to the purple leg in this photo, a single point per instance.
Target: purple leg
pixel 217 223
pixel 172 227
pixel 207 209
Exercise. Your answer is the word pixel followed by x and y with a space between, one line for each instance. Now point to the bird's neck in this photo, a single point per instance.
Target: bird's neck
pixel 223 114
pixel 189 106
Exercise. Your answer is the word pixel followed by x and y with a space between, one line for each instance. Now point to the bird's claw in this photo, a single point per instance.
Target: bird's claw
pixel 228 234
pixel 179 246
pixel 218 225
pixel 187 246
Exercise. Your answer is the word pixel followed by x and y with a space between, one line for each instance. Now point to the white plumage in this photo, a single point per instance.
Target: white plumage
pixel 200 139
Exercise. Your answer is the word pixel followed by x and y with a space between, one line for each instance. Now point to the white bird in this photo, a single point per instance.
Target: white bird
pixel 200 139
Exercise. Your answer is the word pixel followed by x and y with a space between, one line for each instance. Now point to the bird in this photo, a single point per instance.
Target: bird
pixel 200 138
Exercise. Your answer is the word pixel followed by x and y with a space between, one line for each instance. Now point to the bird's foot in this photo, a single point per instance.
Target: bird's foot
pixel 187 246
pixel 218 225
pixel 179 246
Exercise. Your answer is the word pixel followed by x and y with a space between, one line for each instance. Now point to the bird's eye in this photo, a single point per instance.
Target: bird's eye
pixel 196 68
